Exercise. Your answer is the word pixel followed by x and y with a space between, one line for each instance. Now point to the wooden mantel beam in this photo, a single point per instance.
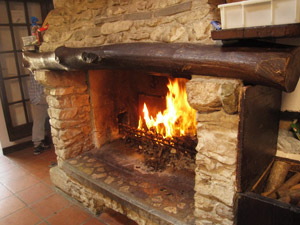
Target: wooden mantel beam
pixel 270 66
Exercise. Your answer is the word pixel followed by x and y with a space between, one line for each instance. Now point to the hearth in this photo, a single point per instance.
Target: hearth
pixel 103 153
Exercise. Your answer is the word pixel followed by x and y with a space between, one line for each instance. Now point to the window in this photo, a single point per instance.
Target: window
pixel 14 83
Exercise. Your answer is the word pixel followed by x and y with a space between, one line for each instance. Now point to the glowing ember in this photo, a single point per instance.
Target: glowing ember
pixel 178 119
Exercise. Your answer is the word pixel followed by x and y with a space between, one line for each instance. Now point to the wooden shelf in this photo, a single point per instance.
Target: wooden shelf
pixel 276 31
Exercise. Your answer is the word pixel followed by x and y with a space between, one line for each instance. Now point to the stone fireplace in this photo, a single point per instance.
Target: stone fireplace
pixel 125 52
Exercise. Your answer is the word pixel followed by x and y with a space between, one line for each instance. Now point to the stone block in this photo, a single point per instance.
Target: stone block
pixel 230 95
pixel 55 79
pixel 221 191
pixel 69 133
pixel 80 24
pixel 201 29
pixel 94 42
pixel 54 132
pixel 186 6
pixel 203 94
pixel 80 100
pixel 116 27
pixel 100 19
pixel 58 102
pixel 139 36
pixel 63 114
pixel 220 146
pixel 94 32
pixel 207 94
pixel 63 124
pixel 61 91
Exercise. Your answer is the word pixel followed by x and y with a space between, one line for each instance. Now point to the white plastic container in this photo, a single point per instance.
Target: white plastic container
pixel 254 13
pixel 29 40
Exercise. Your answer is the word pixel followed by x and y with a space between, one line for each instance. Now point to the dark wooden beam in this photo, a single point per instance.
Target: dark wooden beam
pixel 276 31
pixel 258 133
pixel 270 66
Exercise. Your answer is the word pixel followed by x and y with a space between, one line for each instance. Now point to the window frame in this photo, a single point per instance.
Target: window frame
pixel 23 130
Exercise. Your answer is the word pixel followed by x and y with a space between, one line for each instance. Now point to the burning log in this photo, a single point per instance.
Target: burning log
pixel 160 153
pixel 265 65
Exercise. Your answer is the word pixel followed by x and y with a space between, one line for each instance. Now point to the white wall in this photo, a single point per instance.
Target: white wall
pixel 291 101
pixel 4 140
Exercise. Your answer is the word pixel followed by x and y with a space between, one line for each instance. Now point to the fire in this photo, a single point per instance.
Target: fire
pixel 178 119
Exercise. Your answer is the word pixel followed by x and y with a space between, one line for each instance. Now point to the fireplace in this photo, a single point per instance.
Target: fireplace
pixel 96 90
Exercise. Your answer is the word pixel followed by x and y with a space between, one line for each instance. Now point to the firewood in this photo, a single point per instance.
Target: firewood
pixel 290 196
pixel 295 187
pixel 277 176
pixel 289 183
pixel 285 199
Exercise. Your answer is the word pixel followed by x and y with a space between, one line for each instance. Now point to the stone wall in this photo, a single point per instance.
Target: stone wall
pixel 216 102
pixel 69 112
pixel 81 23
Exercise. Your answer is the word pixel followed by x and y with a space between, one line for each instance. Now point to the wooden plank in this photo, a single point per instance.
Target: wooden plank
pixel 274 66
pixel 255 209
pixel 276 31
pixel 258 132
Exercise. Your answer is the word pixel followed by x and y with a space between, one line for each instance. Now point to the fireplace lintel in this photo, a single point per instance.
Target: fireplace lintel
pixel 274 66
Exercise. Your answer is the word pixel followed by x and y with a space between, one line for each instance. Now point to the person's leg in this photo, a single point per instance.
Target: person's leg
pixel 39 112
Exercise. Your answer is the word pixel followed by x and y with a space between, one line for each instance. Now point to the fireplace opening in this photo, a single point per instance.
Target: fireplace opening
pixel 147 167
pixel 165 138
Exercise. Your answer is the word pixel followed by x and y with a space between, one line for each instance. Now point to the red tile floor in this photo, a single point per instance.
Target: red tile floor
pixel 27 196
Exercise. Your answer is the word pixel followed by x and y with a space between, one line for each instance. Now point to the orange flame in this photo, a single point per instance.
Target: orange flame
pixel 178 119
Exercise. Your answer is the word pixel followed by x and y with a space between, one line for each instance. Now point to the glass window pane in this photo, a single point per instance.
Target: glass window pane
pixel 23 70
pixel 3 13
pixel 13 91
pixel 8 65
pixel 29 111
pixel 26 84
pixel 17 12
pixel 34 9
pixel 17 114
pixel 20 32
pixel 5 39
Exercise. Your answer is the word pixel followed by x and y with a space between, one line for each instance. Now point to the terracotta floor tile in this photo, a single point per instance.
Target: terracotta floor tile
pixel 94 221
pixel 47 180
pixel 42 173
pixel 72 215
pixel 10 205
pixel 4 192
pixel 35 193
pixel 50 205
pixel 22 217
pixel 4 159
pixel 21 183
pixel 114 218
pixel 5 166
pixel 13 173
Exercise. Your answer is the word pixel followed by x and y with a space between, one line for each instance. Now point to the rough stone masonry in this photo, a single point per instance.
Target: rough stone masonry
pixel 87 23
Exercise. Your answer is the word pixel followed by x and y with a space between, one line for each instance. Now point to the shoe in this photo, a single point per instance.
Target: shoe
pixel 45 145
pixel 40 148
pixel 37 150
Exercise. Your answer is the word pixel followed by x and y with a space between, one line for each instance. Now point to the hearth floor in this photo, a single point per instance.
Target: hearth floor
pixel 117 171
pixel 28 197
